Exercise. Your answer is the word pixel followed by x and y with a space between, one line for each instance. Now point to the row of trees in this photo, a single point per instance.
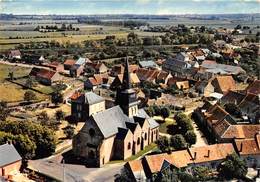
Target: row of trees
pixel 155 110
pixel 30 139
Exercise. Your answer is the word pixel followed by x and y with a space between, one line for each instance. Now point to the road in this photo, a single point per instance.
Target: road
pixel 53 167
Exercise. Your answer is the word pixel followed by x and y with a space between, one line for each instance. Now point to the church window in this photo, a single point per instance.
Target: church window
pixel 91 154
pixel 92 132
pixel 145 136
pixel 129 146
pixel 138 141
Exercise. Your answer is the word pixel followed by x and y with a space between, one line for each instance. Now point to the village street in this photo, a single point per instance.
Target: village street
pixel 53 167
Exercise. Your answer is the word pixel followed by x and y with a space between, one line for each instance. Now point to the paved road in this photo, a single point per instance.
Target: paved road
pixel 53 167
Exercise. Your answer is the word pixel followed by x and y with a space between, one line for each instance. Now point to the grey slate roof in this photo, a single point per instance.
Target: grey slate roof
pixel 92 98
pixel 110 120
pixel 148 64
pixel 151 121
pixel 81 61
pixel 8 154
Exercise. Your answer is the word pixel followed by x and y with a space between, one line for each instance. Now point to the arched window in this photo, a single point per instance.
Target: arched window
pixel 129 146
pixel 145 136
pixel 138 141
pixel 92 132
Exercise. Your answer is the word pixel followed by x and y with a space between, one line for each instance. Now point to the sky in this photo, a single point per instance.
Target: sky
pixel 155 7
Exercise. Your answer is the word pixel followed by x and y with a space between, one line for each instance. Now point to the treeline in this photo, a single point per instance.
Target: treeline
pixel 52 28
pixel 30 139
pixel 129 23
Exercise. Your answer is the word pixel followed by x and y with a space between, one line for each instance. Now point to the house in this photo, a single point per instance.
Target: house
pixel 100 68
pixel 198 55
pixel 152 75
pixel 222 84
pixel 178 83
pixel 213 67
pixel 151 166
pixel 204 88
pixel 182 56
pixel 148 64
pixel 47 77
pixel 175 66
pixel 119 69
pixel 249 150
pixel 254 88
pixel 76 70
pixel 56 66
pixel 119 79
pixel 82 61
pixel 14 54
pixel 93 82
pixel 83 105
pixel 69 63
pixel 10 160
pixel 117 132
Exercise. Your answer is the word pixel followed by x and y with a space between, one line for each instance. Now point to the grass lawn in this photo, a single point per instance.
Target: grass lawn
pixel 147 149
pixel 164 126
pixel 18 71
pixel 11 93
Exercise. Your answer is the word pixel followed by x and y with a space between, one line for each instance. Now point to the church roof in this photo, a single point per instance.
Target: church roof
pixel 151 121
pixel 110 120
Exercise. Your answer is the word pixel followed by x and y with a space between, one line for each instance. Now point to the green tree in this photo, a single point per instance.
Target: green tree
pixel 165 112
pixel 4 111
pixel 60 115
pixel 56 98
pixel 29 96
pixel 43 118
pixel 184 122
pixel 201 173
pixel 29 82
pixel 163 144
pixel 190 137
pixel 69 131
pixel 178 142
pixel 233 167
pixel 43 137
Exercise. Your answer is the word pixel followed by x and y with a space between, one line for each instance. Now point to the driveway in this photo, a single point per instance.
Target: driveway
pixel 54 167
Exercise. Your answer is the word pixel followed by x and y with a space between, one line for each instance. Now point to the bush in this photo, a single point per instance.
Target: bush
pixel 165 112
pixel 56 98
pixel 29 96
pixel 69 131
pixel 178 142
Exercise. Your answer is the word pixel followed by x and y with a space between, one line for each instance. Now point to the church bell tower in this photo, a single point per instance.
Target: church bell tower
pixel 126 95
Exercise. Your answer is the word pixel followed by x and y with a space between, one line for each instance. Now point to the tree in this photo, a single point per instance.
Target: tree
pixel 183 122
pixel 201 173
pixel 163 144
pixel 124 176
pixel 60 115
pixel 233 167
pixel 178 142
pixel 43 118
pixel 29 96
pixel 69 131
pixel 165 112
pixel 29 82
pixel 56 98
pixel 190 137
pixel 4 112
pixel 43 137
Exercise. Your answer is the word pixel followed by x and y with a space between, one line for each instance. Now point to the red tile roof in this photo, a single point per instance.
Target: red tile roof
pixel 70 62
pixel 48 74
pixel 224 83
pixel 248 146
pixel 241 131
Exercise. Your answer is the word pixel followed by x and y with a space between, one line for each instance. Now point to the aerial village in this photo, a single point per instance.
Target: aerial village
pixel 190 112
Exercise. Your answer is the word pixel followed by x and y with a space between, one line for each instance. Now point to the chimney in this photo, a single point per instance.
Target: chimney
pixel 195 156
pixel 241 147
pixel 207 154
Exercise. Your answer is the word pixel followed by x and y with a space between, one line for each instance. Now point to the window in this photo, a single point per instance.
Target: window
pixel 91 154
pixel 145 136
pixel 138 141
pixel 79 115
pixel 92 132
pixel 129 146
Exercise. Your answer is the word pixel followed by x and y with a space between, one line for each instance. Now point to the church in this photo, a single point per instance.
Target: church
pixel 115 133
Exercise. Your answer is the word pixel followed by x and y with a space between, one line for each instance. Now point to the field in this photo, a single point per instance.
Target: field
pixel 11 92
